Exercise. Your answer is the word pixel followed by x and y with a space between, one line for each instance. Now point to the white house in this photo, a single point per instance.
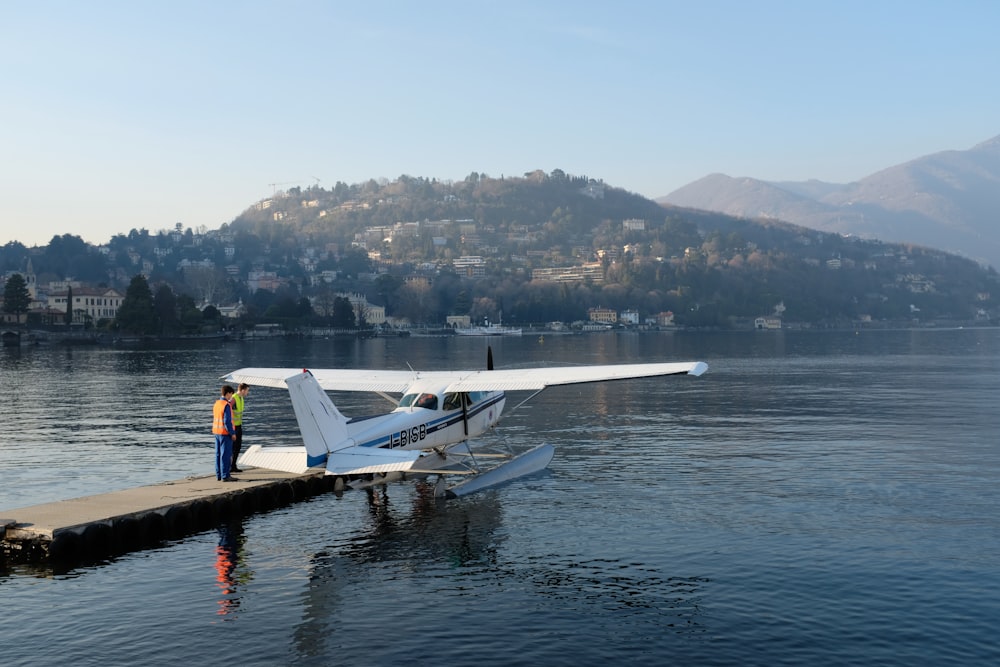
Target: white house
pixel 89 303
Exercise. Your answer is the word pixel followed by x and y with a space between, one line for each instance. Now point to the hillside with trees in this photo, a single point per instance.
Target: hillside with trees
pixel 426 249
pixel 710 269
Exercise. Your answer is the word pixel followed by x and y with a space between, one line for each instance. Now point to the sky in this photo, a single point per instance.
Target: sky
pixel 140 115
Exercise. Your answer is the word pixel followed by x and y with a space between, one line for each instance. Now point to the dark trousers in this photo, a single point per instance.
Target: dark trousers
pixel 237 443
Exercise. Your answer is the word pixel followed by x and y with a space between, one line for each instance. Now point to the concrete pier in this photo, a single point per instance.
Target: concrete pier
pixel 113 523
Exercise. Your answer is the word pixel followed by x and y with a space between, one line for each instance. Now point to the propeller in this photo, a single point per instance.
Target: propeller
pixel 489 357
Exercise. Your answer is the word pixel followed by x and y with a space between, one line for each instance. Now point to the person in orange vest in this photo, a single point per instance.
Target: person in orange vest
pixel 222 427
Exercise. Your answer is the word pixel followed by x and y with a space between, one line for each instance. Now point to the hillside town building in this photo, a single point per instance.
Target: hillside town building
pixel 89 304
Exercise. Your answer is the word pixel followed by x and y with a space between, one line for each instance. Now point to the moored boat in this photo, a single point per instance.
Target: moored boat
pixel 489 330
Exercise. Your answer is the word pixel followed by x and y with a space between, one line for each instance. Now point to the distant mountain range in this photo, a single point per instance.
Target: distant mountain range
pixel 948 200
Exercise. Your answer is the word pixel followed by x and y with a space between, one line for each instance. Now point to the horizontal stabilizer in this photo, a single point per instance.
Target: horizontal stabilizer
pixel 368 460
pixel 286 459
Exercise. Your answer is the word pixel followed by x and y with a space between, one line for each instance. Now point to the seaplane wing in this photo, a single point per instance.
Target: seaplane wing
pixel 430 429
pixel 534 379
pixel 511 379
pixel 331 379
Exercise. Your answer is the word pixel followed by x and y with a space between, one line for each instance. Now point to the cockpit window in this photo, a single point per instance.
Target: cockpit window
pixel 452 401
pixel 429 401
pixel 407 400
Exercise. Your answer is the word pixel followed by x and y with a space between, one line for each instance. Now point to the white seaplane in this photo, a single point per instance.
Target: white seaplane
pixel 430 429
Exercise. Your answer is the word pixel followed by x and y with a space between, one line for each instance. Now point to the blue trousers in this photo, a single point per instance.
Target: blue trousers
pixel 223 455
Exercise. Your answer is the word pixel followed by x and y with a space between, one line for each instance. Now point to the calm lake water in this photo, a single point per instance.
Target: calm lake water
pixel 814 498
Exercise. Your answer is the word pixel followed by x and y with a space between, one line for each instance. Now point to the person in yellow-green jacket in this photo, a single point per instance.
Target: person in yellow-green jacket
pixel 238 403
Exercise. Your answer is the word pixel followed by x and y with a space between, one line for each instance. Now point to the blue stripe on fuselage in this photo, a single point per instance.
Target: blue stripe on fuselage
pixel 435 425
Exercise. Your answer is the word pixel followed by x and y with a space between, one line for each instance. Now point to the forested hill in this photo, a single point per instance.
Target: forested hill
pixel 538 248
pixel 562 207
pixel 708 268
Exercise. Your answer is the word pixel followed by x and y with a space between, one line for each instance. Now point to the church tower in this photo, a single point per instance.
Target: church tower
pixel 31 281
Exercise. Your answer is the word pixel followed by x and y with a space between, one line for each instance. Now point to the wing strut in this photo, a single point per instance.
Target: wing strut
pixel 525 400
pixel 465 413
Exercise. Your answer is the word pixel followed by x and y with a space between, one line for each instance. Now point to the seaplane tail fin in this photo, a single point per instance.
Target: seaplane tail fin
pixel 323 427
pixel 326 439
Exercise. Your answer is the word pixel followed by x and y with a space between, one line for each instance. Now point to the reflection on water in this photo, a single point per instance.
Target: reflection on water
pixel 427 528
pixel 230 567
pixel 393 542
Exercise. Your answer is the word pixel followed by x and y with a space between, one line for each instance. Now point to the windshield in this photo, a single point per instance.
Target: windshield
pixel 429 401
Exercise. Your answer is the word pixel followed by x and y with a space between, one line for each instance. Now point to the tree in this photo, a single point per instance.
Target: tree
pixel 304 309
pixel 137 315
pixel 286 308
pixel 190 317
pixel 325 301
pixel 165 305
pixel 211 314
pixel 462 303
pixel 343 313
pixel 70 255
pixel 483 308
pixel 360 319
pixel 206 281
pixel 16 298
pixel 68 316
pixel 387 288
pixel 355 261
pixel 261 300
pixel 415 301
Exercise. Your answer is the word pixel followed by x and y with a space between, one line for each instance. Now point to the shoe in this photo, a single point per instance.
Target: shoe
pixel 229 479
pixel 235 469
